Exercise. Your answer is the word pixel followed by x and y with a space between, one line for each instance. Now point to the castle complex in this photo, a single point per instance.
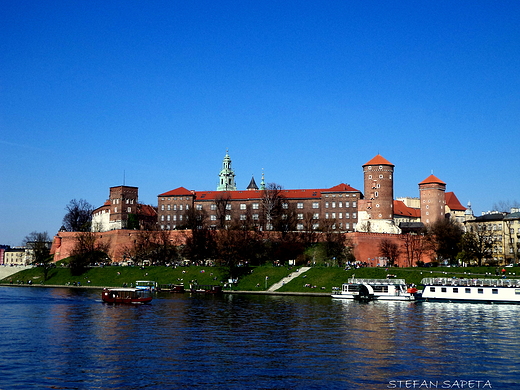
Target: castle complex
pixel 365 217
pixel 341 207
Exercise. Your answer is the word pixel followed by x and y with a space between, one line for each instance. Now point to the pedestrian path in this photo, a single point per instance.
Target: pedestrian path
pixel 287 279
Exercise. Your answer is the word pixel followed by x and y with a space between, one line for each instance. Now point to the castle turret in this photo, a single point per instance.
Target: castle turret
pixel 433 200
pixel 376 210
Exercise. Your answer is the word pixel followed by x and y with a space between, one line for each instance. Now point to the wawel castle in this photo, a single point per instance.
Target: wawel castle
pixel 342 208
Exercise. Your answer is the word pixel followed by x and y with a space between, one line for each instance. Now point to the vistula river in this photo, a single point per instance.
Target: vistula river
pixel 58 338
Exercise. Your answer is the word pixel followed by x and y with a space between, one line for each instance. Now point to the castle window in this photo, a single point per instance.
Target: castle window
pixel 299 205
pixel 353 204
pixel 380 176
pixel 285 205
pixel 213 217
pixel 299 216
pixel 169 207
pixel 242 217
pixel 316 216
pixel 214 207
pixel 340 215
pixel 333 205
pixel 255 217
pixel 326 205
pixel 255 206
pixel 340 204
pixel 228 206
pixel 242 206
pixel 315 205
pixel 299 226
pixel 380 167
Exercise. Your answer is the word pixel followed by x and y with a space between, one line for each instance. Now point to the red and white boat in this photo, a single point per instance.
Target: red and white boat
pixel 126 295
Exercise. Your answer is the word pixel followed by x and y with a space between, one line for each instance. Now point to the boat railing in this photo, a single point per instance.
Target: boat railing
pixel 471 282
pixel 385 282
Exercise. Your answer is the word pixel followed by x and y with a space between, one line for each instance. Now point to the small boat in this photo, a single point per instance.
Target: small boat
pixel 376 290
pixel 146 285
pixel 126 295
pixel 471 290
pixel 205 289
pixel 176 288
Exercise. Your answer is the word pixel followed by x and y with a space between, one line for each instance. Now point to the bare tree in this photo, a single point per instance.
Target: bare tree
pixel 272 206
pixel 39 246
pixel 222 203
pixel 477 244
pixel 390 250
pixel 414 246
pixel 87 251
pixel 78 217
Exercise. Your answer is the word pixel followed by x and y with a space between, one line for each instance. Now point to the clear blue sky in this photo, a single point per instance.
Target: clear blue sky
pixel 308 91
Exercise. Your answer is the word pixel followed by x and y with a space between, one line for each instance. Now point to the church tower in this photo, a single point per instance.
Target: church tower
pixel 226 176
pixel 432 192
pixel 376 210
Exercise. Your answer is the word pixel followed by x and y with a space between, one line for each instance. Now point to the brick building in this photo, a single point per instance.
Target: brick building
pixel 122 210
pixel 308 207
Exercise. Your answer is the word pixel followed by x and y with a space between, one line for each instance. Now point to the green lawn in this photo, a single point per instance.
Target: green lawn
pixel 317 279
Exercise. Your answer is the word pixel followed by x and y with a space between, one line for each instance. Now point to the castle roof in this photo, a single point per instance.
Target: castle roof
pixel 453 202
pixel 258 194
pixel 432 180
pixel 181 191
pixel 252 185
pixel 379 160
pixel 403 210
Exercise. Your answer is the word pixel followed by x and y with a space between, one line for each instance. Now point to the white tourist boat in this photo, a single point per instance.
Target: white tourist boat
pixel 471 290
pixel 376 289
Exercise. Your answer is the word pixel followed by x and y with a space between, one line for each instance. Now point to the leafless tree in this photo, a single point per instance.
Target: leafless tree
pixel 222 203
pixel 272 206
pixel 390 250
pixel 39 245
pixel 78 217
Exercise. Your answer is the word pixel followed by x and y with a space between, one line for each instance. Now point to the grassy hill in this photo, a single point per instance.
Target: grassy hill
pixel 317 279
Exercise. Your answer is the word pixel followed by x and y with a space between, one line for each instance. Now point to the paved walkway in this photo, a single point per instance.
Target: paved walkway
pixel 287 279
pixel 6 270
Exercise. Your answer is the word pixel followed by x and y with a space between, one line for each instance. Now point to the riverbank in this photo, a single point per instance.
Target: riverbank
pixel 260 280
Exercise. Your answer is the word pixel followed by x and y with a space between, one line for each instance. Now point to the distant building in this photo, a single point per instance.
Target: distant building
pixel 502 229
pixel 123 211
pixel 15 256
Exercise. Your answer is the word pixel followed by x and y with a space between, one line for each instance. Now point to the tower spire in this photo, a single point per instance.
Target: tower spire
pixel 226 175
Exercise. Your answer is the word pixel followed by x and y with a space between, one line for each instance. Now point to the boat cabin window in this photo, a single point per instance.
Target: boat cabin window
pixel 444 289
pixel 467 291
pixel 494 291
pixel 455 290
pixel 517 291
pixel 380 289
pixel 480 291
pixel 432 289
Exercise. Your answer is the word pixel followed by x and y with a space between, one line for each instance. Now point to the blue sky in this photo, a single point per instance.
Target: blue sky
pixel 156 91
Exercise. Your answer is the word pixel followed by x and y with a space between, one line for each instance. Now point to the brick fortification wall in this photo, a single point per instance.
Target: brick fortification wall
pixel 366 245
pixel 118 241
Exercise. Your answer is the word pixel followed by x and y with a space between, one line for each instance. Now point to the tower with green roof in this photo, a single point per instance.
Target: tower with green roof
pixel 226 176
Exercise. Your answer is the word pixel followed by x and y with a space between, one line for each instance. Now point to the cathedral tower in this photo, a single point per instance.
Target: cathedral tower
pixel 226 176
pixel 433 200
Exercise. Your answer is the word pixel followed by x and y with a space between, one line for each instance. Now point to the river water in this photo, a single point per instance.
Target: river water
pixel 68 339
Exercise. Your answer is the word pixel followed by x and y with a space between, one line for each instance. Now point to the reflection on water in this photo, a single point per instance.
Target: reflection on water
pixel 61 338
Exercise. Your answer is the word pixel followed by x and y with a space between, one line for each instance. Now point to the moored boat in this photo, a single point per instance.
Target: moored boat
pixel 206 289
pixel 376 290
pixel 146 285
pixel 471 290
pixel 126 295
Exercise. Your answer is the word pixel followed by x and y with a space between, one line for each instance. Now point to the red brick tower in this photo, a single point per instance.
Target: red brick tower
pixel 376 210
pixel 379 188
pixel 123 201
pixel 433 200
